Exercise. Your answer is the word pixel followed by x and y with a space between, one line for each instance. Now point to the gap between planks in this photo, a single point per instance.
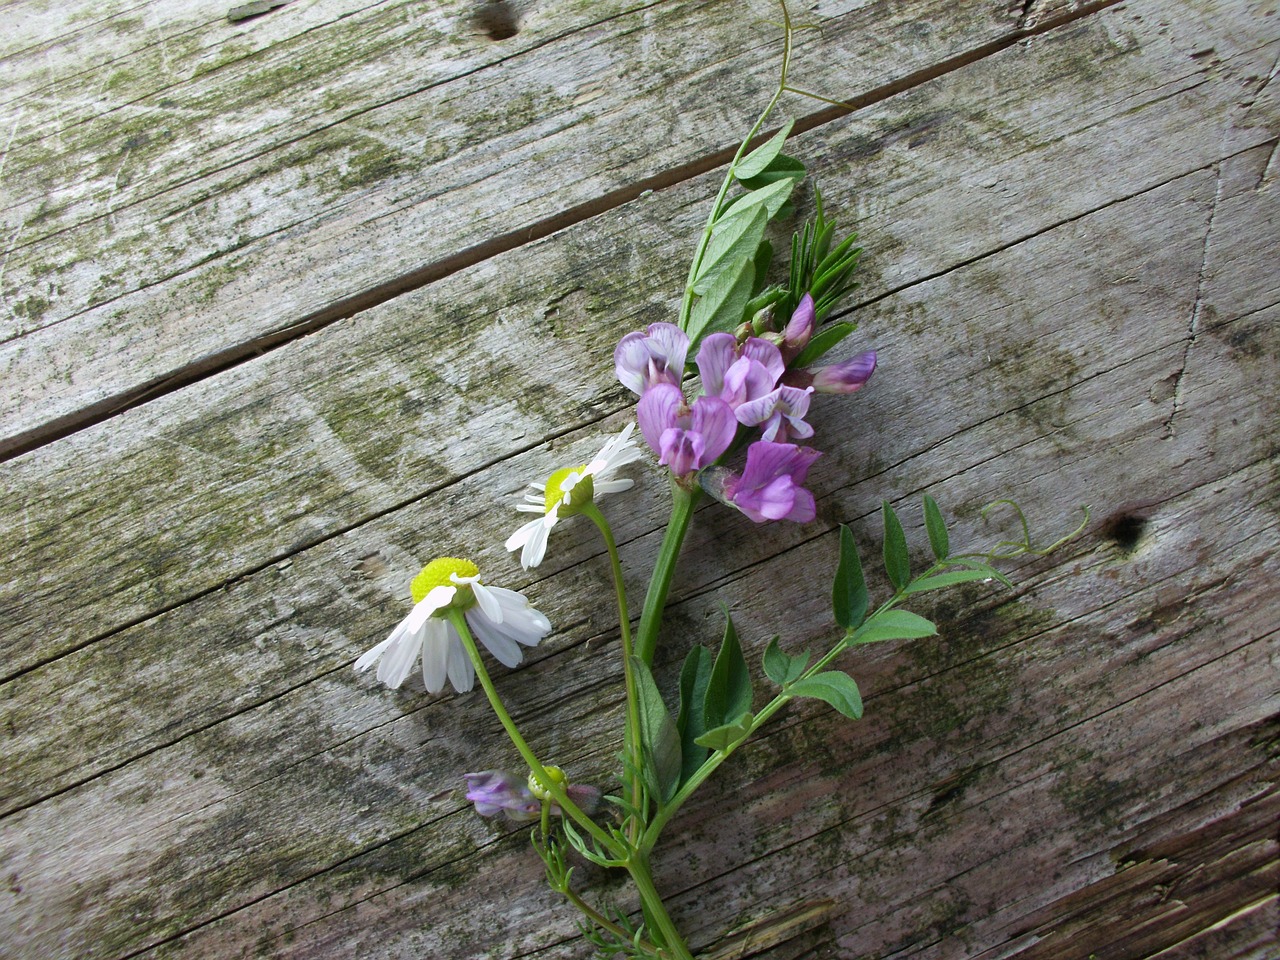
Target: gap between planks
pixel 437 270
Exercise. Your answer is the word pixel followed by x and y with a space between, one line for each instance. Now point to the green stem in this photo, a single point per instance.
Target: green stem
pixel 631 738
pixel 655 909
pixel 687 305
pixel 683 501
pixel 604 923
pixel 712 763
pixel 567 806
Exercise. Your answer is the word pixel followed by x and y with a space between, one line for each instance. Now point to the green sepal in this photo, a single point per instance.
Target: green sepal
pixel 658 735
pixel 694 677
pixel 893 625
pixel 833 686
pixel 939 542
pixel 849 592
pixel 725 738
pixel 782 668
pixel 896 561
pixel 759 159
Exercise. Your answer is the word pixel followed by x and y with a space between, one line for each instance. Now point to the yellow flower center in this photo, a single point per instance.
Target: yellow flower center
pixel 581 490
pixel 438 573
pixel 538 789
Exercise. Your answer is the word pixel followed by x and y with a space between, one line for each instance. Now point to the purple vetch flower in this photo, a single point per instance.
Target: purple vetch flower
pixel 796 334
pixel 780 414
pixel 770 485
pixel 737 374
pixel 685 438
pixel 847 376
pixel 657 356
pixel 497 791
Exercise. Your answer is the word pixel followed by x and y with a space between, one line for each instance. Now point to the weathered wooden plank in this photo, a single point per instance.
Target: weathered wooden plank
pixel 354 444
pixel 237 793
pixel 235 205
pixel 1183 350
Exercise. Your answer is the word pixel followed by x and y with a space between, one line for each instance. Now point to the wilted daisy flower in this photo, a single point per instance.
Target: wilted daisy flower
pixel 500 619
pixel 567 491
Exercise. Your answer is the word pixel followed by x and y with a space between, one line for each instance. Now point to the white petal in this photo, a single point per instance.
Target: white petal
pixel 520 621
pixel 613 486
pixel 538 507
pixel 437 598
pixel 461 672
pixel 535 547
pixel 370 657
pixel 487 601
pixel 521 536
pixel 435 654
pixel 492 636
pixel 397 662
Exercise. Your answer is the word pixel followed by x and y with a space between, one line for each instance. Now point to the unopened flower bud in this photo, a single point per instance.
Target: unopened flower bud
pixel 539 790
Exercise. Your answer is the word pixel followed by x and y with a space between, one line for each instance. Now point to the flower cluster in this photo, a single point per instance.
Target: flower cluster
pixel 749 380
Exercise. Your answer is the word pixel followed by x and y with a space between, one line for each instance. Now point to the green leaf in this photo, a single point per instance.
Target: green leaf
pixel 729 690
pixel 721 307
pixel 737 242
pixel 849 592
pixel 821 342
pixel 782 168
pixel 836 688
pixel 771 197
pixel 893 625
pixel 949 579
pixel 760 264
pixel 937 528
pixel 758 160
pixel 725 738
pixel 896 561
pixel 782 668
pixel 658 735
pixel 990 571
pixel 694 677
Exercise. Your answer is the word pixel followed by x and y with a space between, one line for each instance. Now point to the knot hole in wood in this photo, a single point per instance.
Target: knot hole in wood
pixel 498 19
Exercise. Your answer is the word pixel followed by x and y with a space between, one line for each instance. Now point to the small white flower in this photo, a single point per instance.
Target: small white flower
pixel 500 619
pixel 567 491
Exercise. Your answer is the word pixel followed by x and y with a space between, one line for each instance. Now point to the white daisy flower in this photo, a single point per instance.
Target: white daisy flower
pixel 500 619
pixel 567 491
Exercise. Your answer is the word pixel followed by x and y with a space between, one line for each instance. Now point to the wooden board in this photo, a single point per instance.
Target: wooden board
pixel 1070 278
pixel 196 213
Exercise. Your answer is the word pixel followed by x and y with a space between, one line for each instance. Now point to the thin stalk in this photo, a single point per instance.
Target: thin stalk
pixel 631 737
pixel 604 923
pixel 655 909
pixel 567 806
pixel 683 501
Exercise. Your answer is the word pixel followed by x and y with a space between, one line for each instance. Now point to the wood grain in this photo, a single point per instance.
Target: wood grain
pixel 1070 279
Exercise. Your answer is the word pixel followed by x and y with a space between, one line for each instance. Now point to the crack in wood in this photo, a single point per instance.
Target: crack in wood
pixel 1197 308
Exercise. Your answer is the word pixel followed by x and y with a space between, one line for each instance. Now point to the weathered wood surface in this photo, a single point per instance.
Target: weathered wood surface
pixel 1070 274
